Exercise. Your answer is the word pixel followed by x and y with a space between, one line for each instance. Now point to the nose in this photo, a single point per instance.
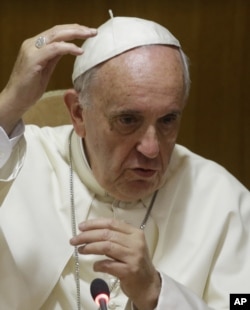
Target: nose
pixel 149 144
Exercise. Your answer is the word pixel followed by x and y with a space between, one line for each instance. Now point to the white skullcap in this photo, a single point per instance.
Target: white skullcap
pixel 117 35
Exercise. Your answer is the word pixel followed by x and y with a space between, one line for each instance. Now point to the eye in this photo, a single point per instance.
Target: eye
pixel 127 119
pixel 169 121
pixel 125 123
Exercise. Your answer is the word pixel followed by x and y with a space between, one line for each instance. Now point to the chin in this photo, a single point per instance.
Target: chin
pixel 135 192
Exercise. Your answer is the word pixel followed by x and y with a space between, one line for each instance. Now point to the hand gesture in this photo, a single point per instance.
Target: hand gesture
pixel 127 258
pixel 34 67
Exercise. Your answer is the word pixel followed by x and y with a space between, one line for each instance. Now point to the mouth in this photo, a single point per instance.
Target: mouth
pixel 145 173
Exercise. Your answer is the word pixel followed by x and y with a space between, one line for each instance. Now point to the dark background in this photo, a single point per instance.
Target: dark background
pixel 215 36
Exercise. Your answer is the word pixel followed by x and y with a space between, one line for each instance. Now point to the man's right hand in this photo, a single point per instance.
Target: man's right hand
pixel 33 69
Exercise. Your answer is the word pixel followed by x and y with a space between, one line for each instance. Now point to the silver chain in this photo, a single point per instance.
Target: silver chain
pixel 73 225
pixel 74 229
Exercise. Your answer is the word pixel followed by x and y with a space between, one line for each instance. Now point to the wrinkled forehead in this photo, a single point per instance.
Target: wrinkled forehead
pixel 118 35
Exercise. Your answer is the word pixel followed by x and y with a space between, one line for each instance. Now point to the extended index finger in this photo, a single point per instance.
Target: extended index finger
pixel 67 32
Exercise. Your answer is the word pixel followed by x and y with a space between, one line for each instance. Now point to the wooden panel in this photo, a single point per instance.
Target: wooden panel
pixel 213 33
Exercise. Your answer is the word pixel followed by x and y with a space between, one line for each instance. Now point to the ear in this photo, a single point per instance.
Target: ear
pixel 71 99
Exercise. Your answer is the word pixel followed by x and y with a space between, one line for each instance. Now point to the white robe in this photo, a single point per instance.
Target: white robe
pixel 198 232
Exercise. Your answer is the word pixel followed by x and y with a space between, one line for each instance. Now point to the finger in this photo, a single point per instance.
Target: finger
pixel 60 49
pixel 46 58
pixel 115 245
pixel 96 235
pixel 102 223
pixel 55 41
pixel 123 270
pixel 113 267
pixel 112 250
pixel 105 241
pixel 110 230
pixel 67 33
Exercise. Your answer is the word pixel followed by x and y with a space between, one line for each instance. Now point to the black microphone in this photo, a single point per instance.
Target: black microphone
pixel 100 292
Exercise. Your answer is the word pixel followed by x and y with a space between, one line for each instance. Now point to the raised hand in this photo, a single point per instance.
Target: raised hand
pixel 33 69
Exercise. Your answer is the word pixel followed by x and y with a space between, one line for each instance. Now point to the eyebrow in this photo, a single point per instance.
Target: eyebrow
pixel 118 113
pixel 176 112
pixel 114 114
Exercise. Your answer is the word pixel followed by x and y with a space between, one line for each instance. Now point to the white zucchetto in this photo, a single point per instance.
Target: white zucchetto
pixel 117 35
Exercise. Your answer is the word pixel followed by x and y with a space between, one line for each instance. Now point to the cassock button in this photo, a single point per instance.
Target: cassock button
pixel 112 305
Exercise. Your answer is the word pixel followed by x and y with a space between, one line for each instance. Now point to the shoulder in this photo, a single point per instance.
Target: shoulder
pixel 192 179
pixel 201 187
pixel 50 141
pixel 52 135
pixel 199 170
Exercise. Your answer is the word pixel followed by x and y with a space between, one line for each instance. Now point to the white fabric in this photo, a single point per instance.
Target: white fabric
pixel 117 35
pixel 8 143
pixel 198 232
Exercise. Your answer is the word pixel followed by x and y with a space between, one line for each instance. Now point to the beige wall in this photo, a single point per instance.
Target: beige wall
pixel 214 34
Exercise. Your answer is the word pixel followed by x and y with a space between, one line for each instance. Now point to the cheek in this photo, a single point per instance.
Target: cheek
pixel 104 151
pixel 167 144
pixel 116 156
pixel 171 137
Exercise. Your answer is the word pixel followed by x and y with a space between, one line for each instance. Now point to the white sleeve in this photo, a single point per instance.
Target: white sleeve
pixel 7 143
pixel 175 296
pixel 12 154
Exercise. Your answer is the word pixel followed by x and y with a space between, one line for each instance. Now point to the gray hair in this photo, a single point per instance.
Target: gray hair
pixel 83 82
pixel 186 74
pixel 82 86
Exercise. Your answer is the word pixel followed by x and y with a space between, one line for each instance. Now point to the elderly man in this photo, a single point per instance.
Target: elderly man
pixel 113 196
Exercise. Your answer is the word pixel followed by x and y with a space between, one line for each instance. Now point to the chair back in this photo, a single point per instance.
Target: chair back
pixel 50 110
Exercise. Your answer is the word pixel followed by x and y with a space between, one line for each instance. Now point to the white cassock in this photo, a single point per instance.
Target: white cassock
pixel 198 232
